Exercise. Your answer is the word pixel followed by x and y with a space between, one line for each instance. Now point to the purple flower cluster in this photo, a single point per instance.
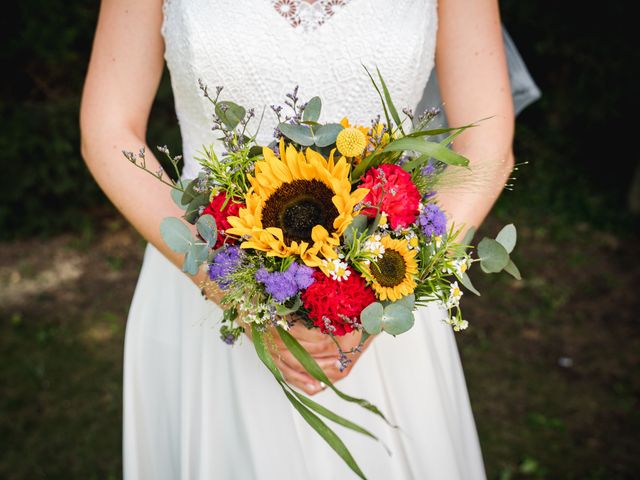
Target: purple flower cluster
pixel 428 170
pixel 284 285
pixel 432 220
pixel 224 264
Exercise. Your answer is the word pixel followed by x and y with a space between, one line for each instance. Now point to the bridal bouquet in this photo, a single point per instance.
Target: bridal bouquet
pixel 333 224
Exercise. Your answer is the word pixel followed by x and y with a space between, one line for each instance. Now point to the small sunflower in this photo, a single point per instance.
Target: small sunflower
pixel 299 204
pixel 393 274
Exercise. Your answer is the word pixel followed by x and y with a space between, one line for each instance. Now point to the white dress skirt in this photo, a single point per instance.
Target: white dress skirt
pixel 195 408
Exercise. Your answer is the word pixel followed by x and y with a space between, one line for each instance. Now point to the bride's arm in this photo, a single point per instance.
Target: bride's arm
pixel 474 83
pixel 124 72
pixel 122 79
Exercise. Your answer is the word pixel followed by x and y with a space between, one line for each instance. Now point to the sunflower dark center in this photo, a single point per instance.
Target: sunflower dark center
pixel 296 207
pixel 390 270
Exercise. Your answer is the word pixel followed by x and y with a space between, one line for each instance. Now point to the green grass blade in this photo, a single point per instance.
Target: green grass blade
pixel 316 372
pixel 435 150
pixel 326 433
pixel 384 105
pixel 313 420
pixel 387 96
pixel 334 417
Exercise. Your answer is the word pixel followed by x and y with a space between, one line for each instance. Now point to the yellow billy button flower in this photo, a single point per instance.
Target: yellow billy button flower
pixel 351 142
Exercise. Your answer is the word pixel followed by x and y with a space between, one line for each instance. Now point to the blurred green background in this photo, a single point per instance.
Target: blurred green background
pixel 552 361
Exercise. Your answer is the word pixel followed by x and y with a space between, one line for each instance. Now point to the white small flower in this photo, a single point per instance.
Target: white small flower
pixel 374 246
pixel 459 324
pixel 461 265
pixel 337 269
pixel 413 242
pixel 437 241
pixel 454 295
pixel 383 224
pixel 283 323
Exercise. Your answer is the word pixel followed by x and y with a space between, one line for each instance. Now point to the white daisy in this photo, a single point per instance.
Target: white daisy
pixel 454 295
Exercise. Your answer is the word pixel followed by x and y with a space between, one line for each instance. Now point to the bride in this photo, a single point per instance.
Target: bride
pixel 195 408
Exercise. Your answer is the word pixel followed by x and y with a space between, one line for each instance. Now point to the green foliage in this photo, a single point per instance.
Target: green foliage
pixel 394 317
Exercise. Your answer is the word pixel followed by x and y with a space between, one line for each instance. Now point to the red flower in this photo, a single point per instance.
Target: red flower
pixel 335 306
pixel 216 210
pixel 399 195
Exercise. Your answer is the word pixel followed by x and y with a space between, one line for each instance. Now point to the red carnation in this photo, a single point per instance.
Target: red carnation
pixel 337 304
pixel 216 210
pixel 399 195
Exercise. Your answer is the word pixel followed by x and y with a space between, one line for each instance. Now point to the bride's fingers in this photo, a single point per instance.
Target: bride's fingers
pixel 300 380
pixel 302 333
pixel 313 348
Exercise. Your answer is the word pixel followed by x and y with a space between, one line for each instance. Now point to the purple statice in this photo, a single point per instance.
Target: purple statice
pixel 432 220
pixel 428 170
pixel 284 285
pixel 224 264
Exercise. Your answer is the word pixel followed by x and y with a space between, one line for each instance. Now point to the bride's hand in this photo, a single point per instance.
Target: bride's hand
pixel 325 352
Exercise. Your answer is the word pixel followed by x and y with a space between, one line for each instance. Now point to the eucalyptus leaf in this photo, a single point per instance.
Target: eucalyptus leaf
pixel 326 134
pixel 176 196
pixel 397 319
pixel 201 251
pixel 176 235
pixel 312 110
pixel 190 264
pixel 357 225
pixel 196 255
pixel 207 229
pixel 466 281
pixel 189 191
pixel 433 149
pixel 408 301
pixel 371 318
pixel 468 237
pixel 512 270
pixel 255 151
pixel 193 210
pixel 230 113
pixel 508 237
pixel 493 256
pixel 297 133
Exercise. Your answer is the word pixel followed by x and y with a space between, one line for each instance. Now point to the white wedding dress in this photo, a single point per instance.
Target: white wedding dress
pixel 195 408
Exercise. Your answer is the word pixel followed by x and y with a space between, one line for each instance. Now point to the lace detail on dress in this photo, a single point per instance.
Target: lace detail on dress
pixel 307 14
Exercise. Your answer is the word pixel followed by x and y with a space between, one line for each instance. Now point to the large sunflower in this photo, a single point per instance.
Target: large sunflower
pixel 392 276
pixel 299 204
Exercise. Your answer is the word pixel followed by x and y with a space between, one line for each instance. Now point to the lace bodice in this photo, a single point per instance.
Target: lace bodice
pixel 260 49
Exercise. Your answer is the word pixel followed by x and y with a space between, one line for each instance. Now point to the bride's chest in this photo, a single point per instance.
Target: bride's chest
pixel 288 33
